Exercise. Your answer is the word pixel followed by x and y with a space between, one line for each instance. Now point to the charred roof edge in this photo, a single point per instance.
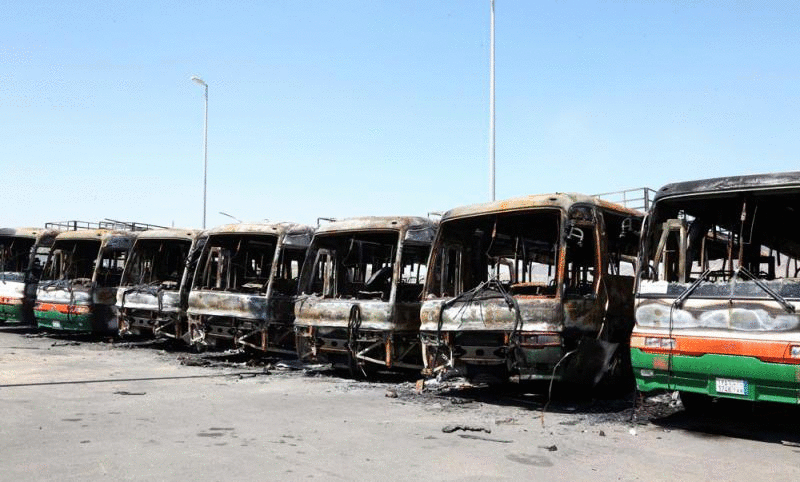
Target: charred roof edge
pixel 754 182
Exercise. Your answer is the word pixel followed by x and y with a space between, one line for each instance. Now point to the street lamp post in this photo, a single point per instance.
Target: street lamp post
pixel 491 104
pixel 201 83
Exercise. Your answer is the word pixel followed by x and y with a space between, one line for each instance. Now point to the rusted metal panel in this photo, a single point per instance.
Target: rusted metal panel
pixel 520 285
pixel 360 290
pixel 244 286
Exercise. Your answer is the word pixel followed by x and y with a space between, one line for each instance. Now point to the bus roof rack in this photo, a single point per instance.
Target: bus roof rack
pixel 75 225
pixel 638 198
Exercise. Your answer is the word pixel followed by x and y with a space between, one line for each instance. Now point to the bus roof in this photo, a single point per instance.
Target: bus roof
pixel 555 200
pixel 262 228
pixel 719 185
pixel 377 223
pixel 32 233
pixel 98 234
pixel 171 233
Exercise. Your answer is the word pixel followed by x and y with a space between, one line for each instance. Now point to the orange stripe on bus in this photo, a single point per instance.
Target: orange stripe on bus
pixel 60 307
pixel 51 307
pixel 765 350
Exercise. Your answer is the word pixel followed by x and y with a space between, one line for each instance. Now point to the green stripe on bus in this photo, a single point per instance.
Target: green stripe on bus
pixel 45 319
pixel 11 313
pixel 767 382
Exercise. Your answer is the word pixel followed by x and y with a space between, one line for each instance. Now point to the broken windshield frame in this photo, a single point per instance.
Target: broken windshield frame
pixel 15 256
pixel 236 263
pixel 519 250
pixel 721 234
pixel 72 260
pixel 351 265
pixel 157 262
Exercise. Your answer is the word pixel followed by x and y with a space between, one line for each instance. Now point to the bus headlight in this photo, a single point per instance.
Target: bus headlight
pixel 659 342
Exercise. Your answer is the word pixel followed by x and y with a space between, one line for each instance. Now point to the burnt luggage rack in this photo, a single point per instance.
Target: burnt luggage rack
pixel 104 224
pixel 638 198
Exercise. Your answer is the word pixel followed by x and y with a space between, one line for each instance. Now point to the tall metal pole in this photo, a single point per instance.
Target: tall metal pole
pixel 200 82
pixel 491 106
pixel 205 158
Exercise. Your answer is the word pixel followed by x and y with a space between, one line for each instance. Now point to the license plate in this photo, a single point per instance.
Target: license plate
pixel 56 324
pixel 733 387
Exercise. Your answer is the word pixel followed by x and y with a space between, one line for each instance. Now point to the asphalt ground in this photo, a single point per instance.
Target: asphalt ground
pixel 74 408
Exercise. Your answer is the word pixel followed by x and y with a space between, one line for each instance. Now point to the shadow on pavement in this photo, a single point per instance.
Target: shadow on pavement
pixel 764 422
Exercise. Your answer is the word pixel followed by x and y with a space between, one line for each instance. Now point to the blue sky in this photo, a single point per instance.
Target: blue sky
pixel 345 108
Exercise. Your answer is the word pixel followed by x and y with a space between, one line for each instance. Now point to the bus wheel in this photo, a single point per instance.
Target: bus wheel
pixel 696 402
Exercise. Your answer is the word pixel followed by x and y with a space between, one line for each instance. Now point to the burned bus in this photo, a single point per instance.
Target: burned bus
pixel 22 255
pixel 359 296
pixel 244 287
pixel 531 288
pixel 78 289
pixel 718 290
pixel 154 292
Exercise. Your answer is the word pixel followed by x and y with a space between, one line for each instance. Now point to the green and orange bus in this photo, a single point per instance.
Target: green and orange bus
pixel 718 291
pixel 22 251
pixel 78 288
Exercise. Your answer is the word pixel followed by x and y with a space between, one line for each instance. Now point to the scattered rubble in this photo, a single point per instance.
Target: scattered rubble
pixel 65 343
pixel 465 427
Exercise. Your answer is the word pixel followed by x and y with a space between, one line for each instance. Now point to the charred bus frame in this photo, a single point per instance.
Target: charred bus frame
pixel 359 297
pixel 77 292
pixel 23 252
pixel 244 287
pixel 718 290
pixel 531 288
pixel 154 292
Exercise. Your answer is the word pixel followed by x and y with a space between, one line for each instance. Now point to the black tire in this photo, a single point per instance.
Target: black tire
pixel 696 402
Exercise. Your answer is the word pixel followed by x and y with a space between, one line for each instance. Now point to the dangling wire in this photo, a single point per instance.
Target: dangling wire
pixel 552 379
pixel 488 289
pixel 353 328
